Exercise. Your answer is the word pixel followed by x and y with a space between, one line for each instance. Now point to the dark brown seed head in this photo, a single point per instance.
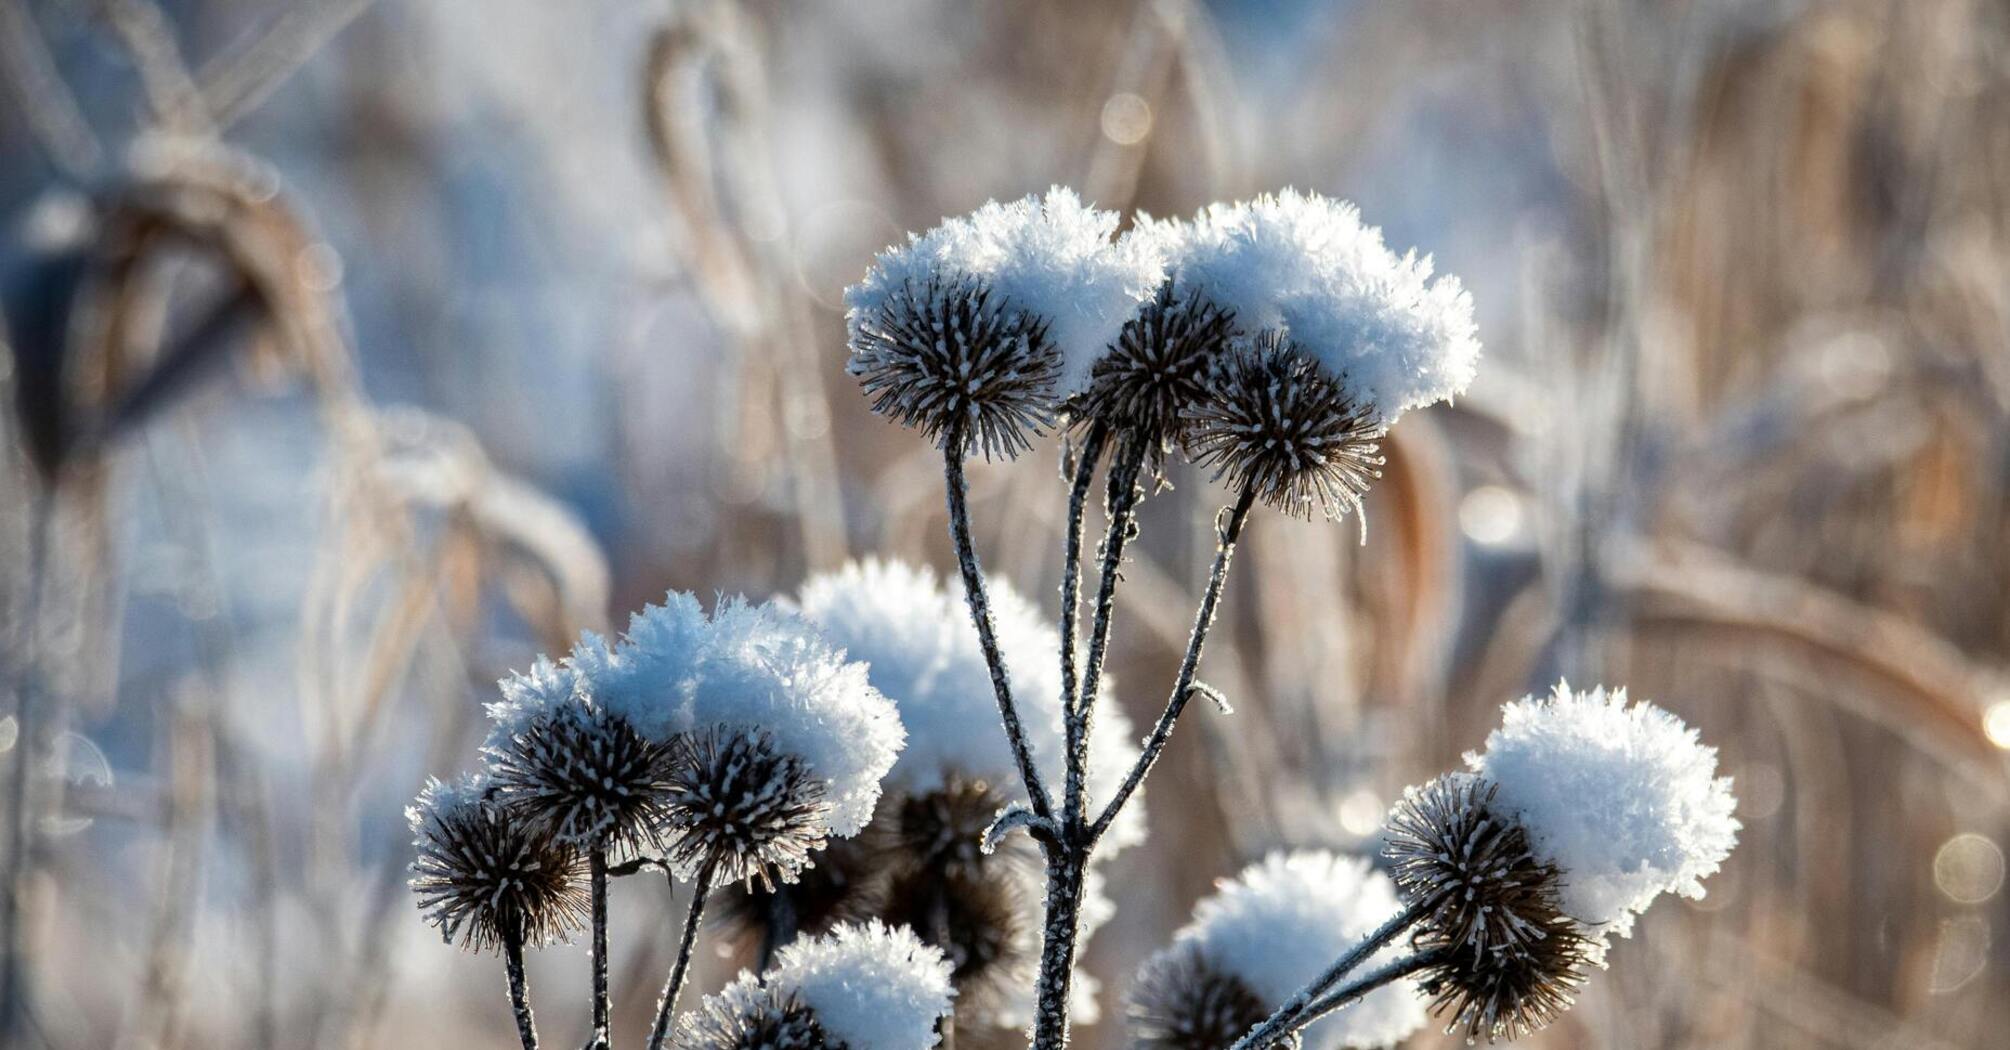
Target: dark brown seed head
pixel 753 1021
pixel 1180 1002
pixel 1278 424
pixel 1452 848
pixel 955 362
pixel 984 923
pixel 584 774
pixel 1506 991
pixel 942 831
pixel 742 807
pixel 1148 382
pixel 487 879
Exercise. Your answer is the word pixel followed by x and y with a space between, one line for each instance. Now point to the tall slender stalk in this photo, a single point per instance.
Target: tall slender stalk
pixel 1287 1017
pixel 1182 691
pixel 1071 594
pixel 1269 1032
pixel 519 990
pixel 597 882
pixel 666 1007
pixel 980 614
pixel 1124 497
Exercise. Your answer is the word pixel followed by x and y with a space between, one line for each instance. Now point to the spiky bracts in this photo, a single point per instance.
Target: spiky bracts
pixel 949 358
pixel 1506 991
pixel 1452 849
pixel 487 880
pixel 583 774
pixel 1155 374
pixel 757 1019
pixel 1278 424
pixel 1181 1003
pixel 739 807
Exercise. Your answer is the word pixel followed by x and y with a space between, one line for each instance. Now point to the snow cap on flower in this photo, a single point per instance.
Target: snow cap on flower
pixel 1623 799
pixel 646 677
pixel 1283 921
pixel 1308 265
pixel 489 880
pixel 870 986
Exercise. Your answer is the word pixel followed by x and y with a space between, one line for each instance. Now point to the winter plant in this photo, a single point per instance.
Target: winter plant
pixel 899 790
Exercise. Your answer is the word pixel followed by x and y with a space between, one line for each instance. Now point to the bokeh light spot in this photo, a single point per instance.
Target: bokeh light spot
pixel 1996 724
pixel 1361 813
pixel 1127 119
pixel 1491 516
pixel 1968 868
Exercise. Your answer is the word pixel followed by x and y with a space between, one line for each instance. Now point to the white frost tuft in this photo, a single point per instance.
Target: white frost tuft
pixel 647 678
pixel 527 696
pixel 873 987
pixel 1285 919
pixel 1307 264
pixel 1624 800
pixel 1051 256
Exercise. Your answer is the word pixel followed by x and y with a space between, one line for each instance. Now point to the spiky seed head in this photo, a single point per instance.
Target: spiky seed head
pixel 837 885
pixel 1156 372
pixel 1276 422
pixel 1506 991
pixel 982 923
pixel 586 775
pixel 942 831
pixel 1180 1002
pixel 1454 849
pixel 487 879
pixel 951 359
pixel 759 1020
pixel 741 806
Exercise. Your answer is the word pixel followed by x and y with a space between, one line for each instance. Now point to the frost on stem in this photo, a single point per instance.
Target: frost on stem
pixel 488 880
pixel 565 763
pixel 1623 800
pixel 1277 424
pixel 1277 926
pixel 741 808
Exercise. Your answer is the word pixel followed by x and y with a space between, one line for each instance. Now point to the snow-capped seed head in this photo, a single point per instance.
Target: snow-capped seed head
pixel 1149 381
pixel 1283 921
pixel 1277 424
pixel 581 772
pixel 488 880
pixel 742 809
pixel 646 678
pixel 1179 1002
pixel 985 924
pixel 952 360
pixel 1454 851
pixel 1506 991
pixel 746 1016
pixel 1623 800
pixel 870 987
pixel 1394 338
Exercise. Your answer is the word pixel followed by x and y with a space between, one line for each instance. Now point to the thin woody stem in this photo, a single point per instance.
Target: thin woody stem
pixel 1338 999
pixel 1071 595
pixel 597 883
pixel 666 1007
pixel 980 615
pixel 1292 1015
pixel 519 991
pixel 1124 496
pixel 1183 689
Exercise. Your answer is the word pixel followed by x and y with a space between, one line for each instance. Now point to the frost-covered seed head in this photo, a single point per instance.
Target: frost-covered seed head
pixel 948 358
pixel 1181 1003
pixel 871 987
pixel 743 809
pixel 1452 849
pixel 1306 265
pixel 943 830
pixel 489 880
pixel 1506 991
pixel 1622 799
pixel 1277 424
pixel 1283 921
pixel 1155 374
pixel 751 1018
pixel 584 774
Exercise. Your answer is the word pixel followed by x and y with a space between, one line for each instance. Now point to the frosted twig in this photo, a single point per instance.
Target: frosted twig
pixel 519 991
pixel 1071 594
pixel 1338 999
pixel 666 1007
pixel 597 881
pixel 1123 499
pixel 980 615
pixel 1293 1015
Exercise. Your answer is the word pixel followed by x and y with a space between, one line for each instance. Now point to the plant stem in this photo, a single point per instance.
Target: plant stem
pixel 1182 691
pixel 666 1007
pixel 1071 595
pixel 1065 868
pixel 1271 1031
pixel 1124 497
pixel 1287 1017
pixel 597 876
pixel 980 615
pixel 781 928
pixel 519 991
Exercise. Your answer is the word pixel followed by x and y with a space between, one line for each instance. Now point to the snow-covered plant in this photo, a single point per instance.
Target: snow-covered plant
pixel 859 987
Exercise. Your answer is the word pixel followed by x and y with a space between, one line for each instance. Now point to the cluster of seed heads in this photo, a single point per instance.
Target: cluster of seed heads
pixel 741 807
pixel 1277 424
pixel 586 776
pixel 1180 1002
pixel 1510 960
pixel 767 1023
pixel 1155 374
pixel 967 370
pixel 489 881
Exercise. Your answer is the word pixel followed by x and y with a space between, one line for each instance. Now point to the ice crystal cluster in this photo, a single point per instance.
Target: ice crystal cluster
pixel 863 987
pixel 1268 932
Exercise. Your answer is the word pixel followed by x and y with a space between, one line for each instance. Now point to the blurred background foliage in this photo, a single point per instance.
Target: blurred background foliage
pixel 360 350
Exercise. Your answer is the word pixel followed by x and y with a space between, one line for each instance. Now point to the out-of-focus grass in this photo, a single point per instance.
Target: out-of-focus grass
pixel 1741 441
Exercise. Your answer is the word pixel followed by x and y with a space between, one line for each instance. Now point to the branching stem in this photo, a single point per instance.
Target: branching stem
pixel 666 1007
pixel 1124 497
